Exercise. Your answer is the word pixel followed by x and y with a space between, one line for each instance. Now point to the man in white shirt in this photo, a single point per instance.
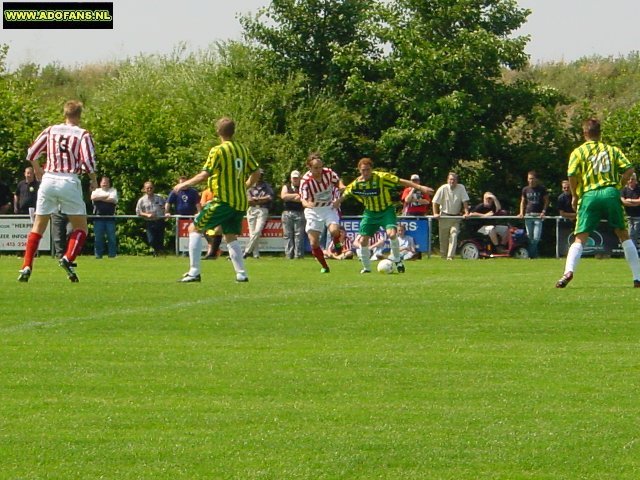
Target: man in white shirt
pixel 451 199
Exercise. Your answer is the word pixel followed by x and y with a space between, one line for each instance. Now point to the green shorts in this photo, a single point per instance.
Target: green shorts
pixel 218 213
pixel 600 204
pixel 372 221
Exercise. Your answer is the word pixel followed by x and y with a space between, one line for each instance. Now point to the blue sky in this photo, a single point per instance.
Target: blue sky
pixel 561 30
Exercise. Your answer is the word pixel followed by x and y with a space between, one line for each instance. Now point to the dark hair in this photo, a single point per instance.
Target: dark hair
pixel 591 128
pixel 225 127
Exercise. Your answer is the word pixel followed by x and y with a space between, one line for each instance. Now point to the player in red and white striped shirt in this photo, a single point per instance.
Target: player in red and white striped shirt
pixel 320 186
pixel 70 152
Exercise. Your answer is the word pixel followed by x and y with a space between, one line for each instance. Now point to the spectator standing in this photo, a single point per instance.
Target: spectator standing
pixel 69 150
pixel 60 231
pixel 565 209
pixel 151 207
pixel 186 202
pixel 596 171
pixel 105 200
pixel 5 198
pixel 450 200
pixel 414 202
pixel 260 196
pixel 533 208
pixel 293 221
pixel 226 169
pixel 26 193
pixel 373 189
pixel 631 200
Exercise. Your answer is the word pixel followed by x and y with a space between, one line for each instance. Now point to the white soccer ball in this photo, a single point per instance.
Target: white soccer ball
pixel 385 266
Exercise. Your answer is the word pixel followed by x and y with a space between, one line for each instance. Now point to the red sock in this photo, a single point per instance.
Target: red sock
pixel 33 240
pixel 75 244
pixel 317 252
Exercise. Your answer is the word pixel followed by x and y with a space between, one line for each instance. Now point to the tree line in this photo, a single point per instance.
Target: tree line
pixel 421 86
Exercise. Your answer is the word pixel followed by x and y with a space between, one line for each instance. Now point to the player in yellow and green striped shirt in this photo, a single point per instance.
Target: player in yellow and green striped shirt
pixel 229 170
pixel 373 189
pixel 596 173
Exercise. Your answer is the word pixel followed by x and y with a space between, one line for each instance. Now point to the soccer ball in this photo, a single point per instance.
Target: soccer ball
pixel 385 266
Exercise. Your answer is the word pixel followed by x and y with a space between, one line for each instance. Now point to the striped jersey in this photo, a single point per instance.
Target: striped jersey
pixel 597 165
pixel 229 165
pixel 69 149
pixel 324 191
pixel 374 194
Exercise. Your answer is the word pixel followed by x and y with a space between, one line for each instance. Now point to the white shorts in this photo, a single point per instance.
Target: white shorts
pixel 501 230
pixel 60 190
pixel 319 217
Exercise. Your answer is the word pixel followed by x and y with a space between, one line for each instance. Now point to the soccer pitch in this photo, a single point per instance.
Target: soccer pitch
pixel 454 370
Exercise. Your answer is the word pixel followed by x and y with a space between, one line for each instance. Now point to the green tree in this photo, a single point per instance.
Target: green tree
pixel 19 121
pixel 322 39
pixel 622 128
pixel 445 104
pixel 155 118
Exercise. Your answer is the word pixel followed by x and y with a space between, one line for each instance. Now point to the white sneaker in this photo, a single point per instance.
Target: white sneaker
pixel 241 278
pixel 187 278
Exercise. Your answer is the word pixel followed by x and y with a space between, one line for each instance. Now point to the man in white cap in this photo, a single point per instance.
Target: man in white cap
pixel 414 202
pixel 293 221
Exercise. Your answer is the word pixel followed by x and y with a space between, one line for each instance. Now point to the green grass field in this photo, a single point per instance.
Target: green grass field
pixel 454 370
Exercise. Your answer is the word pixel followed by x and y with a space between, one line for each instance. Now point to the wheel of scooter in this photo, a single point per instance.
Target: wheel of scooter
pixel 469 251
pixel 521 252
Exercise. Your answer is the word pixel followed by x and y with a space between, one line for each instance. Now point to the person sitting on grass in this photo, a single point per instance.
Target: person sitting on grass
pixel 345 253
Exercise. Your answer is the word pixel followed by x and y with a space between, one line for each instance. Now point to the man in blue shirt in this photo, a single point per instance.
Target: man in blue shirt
pixel 186 201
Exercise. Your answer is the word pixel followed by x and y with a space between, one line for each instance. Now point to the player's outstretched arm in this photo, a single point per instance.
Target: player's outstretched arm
pixel 195 180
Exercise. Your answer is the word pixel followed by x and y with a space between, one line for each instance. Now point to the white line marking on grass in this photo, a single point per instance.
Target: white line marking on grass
pixel 54 322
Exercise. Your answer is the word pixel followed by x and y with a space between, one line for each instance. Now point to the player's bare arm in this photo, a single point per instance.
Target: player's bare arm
pixel 195 180
pixel 37 169
pixel 423 188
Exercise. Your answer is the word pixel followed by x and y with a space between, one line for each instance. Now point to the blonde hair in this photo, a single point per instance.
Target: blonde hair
pixel 365 161
pixel 73 109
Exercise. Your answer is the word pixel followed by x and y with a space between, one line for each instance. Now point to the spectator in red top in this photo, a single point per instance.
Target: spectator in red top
pixel 414 202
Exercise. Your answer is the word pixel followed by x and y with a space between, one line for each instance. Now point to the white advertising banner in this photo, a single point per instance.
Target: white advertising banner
pixel 14 231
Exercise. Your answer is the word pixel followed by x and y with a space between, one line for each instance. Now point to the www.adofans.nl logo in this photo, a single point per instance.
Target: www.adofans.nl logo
pixel 65 15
